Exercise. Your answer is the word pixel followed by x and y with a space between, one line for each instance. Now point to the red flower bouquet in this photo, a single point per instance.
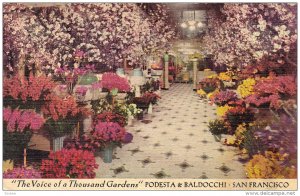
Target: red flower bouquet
pixel 69 163
pixel 110 117
pixel 152 97
pixel 63 114
pixel 83 142
pixel 146 99
pixel 270 91
pixel 27 94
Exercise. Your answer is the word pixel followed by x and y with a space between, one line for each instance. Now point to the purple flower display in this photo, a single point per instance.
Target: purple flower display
pixel 280 136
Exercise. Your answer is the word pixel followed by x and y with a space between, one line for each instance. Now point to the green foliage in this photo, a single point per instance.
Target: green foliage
pixel 61 127
pixel 101 105
pixel 14 143
pixel 251 144
pixel 217 127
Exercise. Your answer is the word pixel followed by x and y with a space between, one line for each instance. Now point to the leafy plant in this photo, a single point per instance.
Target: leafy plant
pixel 217 127
pixel 209 84
pixel 238 115
pixel 251 143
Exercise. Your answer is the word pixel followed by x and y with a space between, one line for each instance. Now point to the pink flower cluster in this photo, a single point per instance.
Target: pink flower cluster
pixel 69 74
pixel 19 120
pixel 21 172
pixel 79 54
pixel 108 132
pixel 113 81
pixel 81 90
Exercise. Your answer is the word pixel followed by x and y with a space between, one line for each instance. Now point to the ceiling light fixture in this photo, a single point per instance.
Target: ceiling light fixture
pixel 192 28
pixel 200 24
pixel 183 25
pixel 191 22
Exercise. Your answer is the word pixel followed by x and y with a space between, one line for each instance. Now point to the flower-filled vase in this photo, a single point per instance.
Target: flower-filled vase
pixel 106 136
pixel 150 109
pixel 107 153
pixel 58 143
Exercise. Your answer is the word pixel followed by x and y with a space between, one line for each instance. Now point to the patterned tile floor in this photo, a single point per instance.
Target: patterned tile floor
pixel 176 144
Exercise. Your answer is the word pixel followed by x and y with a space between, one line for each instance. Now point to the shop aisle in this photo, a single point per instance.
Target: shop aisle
pixel 176 144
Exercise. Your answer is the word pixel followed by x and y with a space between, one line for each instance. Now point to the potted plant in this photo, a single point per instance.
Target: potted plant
pixel 224 97
pixel 209 85
pixel 71 75
pixel 18 127
pixel 217 127
pixel 115 84
pixel 132 112
pixel 62 114
pixel 108 135
pixel 238 115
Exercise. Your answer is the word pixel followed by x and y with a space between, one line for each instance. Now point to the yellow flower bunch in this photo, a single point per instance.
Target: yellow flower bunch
pixel 221 110
pixel 209 95
pixel 212 76
pixel 201 92
pixel 239 133
pixel 224 76
pixel 261 167
pixel 246 88
pixel 269 166
pixel 230 140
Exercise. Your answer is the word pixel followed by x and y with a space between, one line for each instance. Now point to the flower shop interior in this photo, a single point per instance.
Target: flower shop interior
pixel 150 90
